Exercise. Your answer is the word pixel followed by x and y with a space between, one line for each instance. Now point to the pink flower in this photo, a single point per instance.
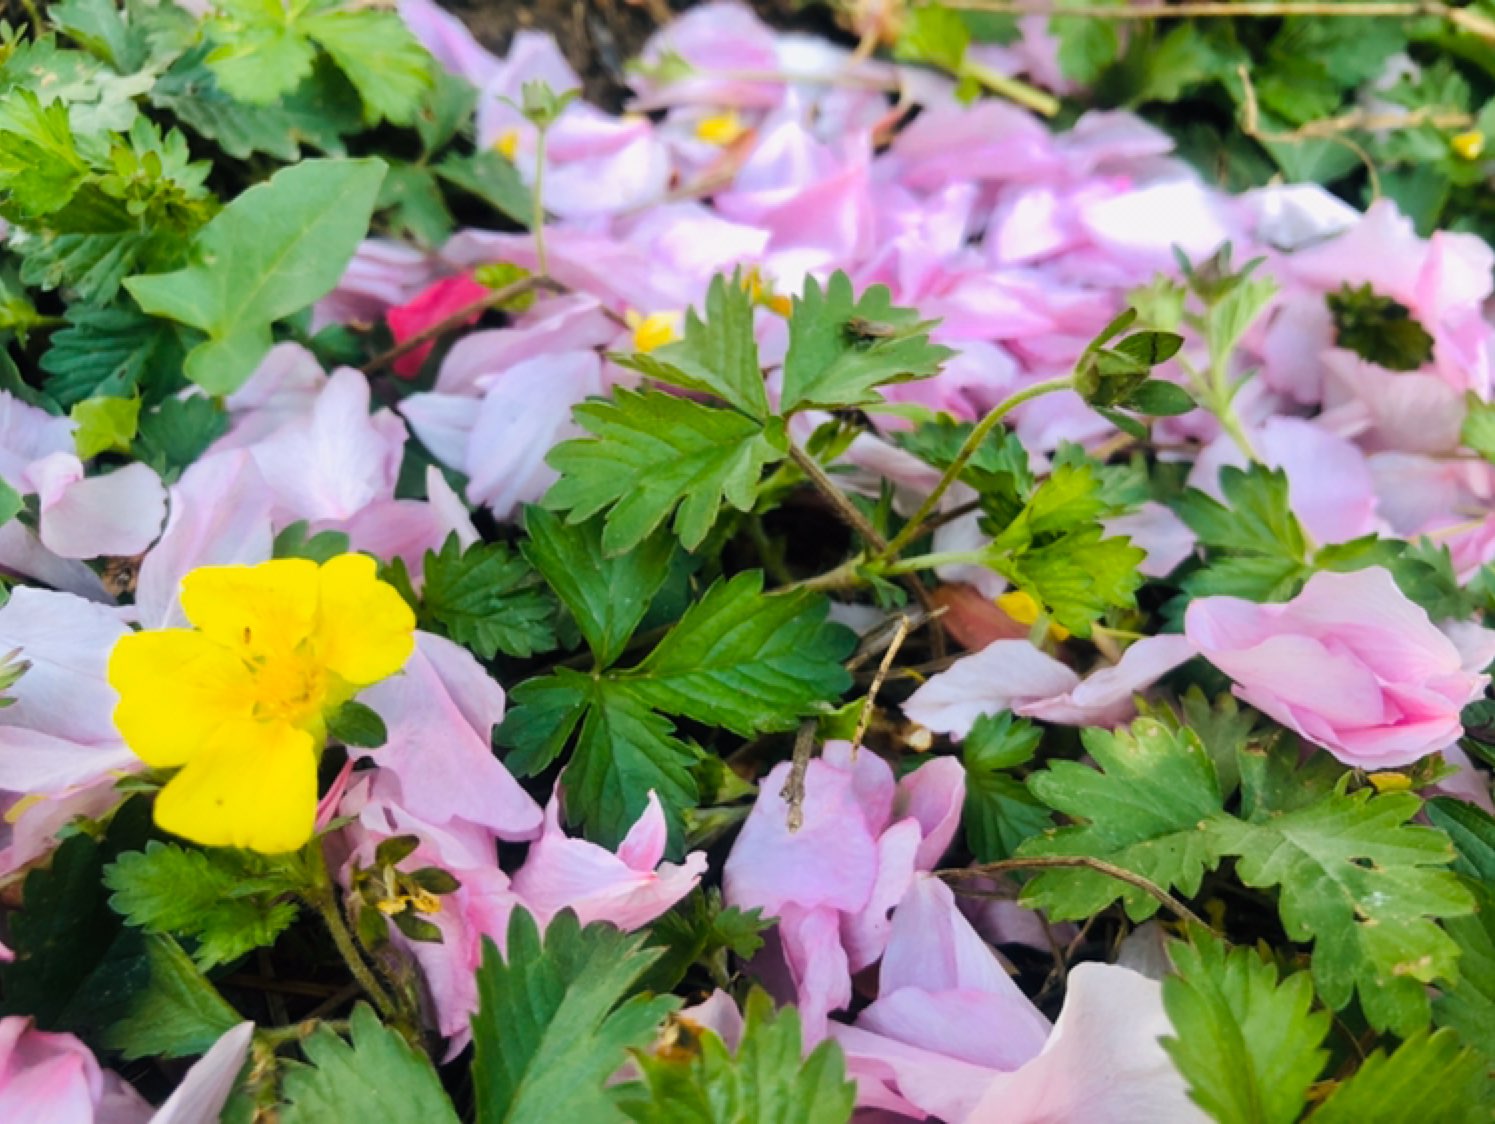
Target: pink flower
pixel 628 888
pixel 56 1079
pixel 115 514
pixel 833 883
pixel 1350 663
pixel 429 307
pixel 1014 675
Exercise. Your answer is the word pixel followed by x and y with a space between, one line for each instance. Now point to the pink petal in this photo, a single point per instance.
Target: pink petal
pixel 933 794
pixel 116 515
pixel 1102 1064
pixel 28 434
pixel 1104 698
pixel 449 41
pixel 440 712
pixel 1163 535
pixel 1003 675
pixel 200 1098
pixel 432 305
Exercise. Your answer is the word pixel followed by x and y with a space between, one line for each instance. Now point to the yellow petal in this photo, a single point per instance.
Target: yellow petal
pixel 254 785
pixel 256 610
pixel 177 688
pixel 366 631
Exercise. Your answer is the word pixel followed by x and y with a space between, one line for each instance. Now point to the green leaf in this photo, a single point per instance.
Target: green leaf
pixel 491 178
pixel 607 597
pixel 229 901
pixel 841 349
pixel 1468 1006
pixel 11 505
pixel 178 431
pixel 1395 1088
pixel 316 114
pixel 718 355
pixel 105 425
pixel 1078 577
pixel 375 1075
pixel 1086 46
pixel 486 598
pixel 1258 520
pixel 1145 809
pixel 1159 399
pixel 555 1022
pixel 1478 432
pixel 935 35
pixel 357 725
pixel 293 542
pixel 652 453
pixel 623 750
pixel 113 351
pixel 1365 887
pixel 273 251
pixel 769 1081
pixel 1248 1044
pixel 169 1009
pixel 1000 813
pixel 412 200
pixel 1379 329
pixel 41 168
pixel 745 661
pixel 376 51
pixel 1472 831
pixel 700 930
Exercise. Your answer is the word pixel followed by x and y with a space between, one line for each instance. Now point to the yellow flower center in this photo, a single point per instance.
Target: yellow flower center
pixel 1022 608
pixel 654 330
pixel 1468 146
pixel 720 128
pixel 290 687
pixel 508 143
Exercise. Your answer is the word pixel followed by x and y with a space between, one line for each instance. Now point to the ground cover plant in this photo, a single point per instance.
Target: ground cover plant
pixel 928 568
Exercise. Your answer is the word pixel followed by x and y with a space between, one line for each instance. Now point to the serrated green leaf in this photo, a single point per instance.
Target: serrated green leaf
pixel 746 661
pixel 229 901
pixel 1258 519
pixel 1145 808
pixel 652 453
pixel 1365 887
pixel 701 930
pixel 1248 1044
pixel 1000 813
pixel 113 351
pixel 1472 831
pixel 1395 1089
pixel 1078 577
pixel 554 1020
pixel 168 1007
pixel 607 597
pixel 1379 329
pixel 178 431
pixel 623 750
pixel 374 1075
pixel 841 347
pixel 935 35
pixel 1086 46
pixel 1468 1006
pixel 40 165
pixel 273 251
pixel 768 1081
pixel 486 598
pixel 410 199
pixel 491 178
pixel 718 355
pixel 376 51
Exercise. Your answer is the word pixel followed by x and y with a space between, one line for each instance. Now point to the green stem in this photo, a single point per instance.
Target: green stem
pixel 537 204
pixel 323 898
pixel 1029 97
pixel 913 528
pixel 930 561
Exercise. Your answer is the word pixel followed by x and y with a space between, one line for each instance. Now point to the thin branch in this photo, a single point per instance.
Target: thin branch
pixel 793 792
pixel 1085 862
pixel 865 718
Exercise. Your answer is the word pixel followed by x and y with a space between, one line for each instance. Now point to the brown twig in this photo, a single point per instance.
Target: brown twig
pixel 793 792
pixel 900 633
pixel 1085 862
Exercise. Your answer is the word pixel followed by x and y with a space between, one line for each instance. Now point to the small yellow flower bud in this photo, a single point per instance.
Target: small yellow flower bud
pixel 1469 145
pixel 508 143
pixel 1023 609
pixel 720 128
pixel 654 330
pixel 1391 782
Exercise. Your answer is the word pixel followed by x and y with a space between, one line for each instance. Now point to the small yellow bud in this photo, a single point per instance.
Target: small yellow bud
pixel 1468 146
pixel 1391 782
pixel 654 330
pixel 720 128
pixel 1022 608
pixel 508 143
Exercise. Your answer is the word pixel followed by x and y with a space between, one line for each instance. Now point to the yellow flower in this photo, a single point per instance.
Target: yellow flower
pixel 1468 146
pixel 507 144
pixel 1022 608
pixel 654 330
pixel 720 128
pixel 240 701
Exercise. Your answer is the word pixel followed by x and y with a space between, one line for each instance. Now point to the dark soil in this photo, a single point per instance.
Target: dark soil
pixel 600 36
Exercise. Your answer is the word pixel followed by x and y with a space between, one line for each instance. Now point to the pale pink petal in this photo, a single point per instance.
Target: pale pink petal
pixel 571 323
pixel 28 434
pixel 443 424
pixel 525 413
pixel 449 41
pixel 864 934
pixel 1003 675
pixel 1102 1064
pixel 1163 535
pixel 200 1098
pixel 220 515
pixel 933 794
pixel 116 515
pixel 22 554
pixel 339 458
pixel 30 830
pixel 44 1077
pixel 442 755
pixel 817 965
pixel 1104 698
pixel 643 846
pixel 66 640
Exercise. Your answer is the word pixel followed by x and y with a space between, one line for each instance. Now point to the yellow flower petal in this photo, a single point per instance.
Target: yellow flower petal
pixel 256 610
pixel 366 631
pixel 254 785
pixel 177 688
